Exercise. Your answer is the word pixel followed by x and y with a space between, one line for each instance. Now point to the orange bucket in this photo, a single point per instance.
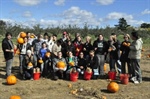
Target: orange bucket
pixel 112 75
pixel 87 76
pixel 74 76
pixel 36 76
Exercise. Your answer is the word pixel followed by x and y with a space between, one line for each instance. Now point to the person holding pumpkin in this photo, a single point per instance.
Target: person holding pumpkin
pixel 69 47
pixel 59 66
pixel 135 56
pixel 22 48
pixel 71 62
pixel 42 55
pixel 124 54
pixel 29 65
pixel 8 50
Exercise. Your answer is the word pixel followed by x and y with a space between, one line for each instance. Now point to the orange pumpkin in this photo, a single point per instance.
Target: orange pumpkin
pixel 30 64
pixel 61 64
pixel 40 61
pixel 125 44
pixel 113 87
pixel 23 34
pixel 128 44
pixel 15 97
pixel 32 36
pixel 77 49
pixel 105 67
pixel 20 40
pixel 71 63
pixel 11 80
pixel 47 54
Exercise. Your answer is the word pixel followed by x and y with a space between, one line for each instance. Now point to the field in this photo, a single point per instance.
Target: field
pixel 93 89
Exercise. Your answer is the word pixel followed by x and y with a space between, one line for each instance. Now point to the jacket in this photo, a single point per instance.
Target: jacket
pixel 135 49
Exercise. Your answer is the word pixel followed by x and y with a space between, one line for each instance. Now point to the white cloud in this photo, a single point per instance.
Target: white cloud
pixel 105 2
pixel 27 14
pixel 29 2
pixel 146 11
pixel 59 2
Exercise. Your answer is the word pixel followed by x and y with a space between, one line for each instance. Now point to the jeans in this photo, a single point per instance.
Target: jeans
pixel 112 63
pixel 9 66
pixel 101 61
pixel 136 71
pixel 21 61
pixel 123 69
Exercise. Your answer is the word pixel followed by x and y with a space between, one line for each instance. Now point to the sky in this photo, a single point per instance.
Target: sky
pixel 100 13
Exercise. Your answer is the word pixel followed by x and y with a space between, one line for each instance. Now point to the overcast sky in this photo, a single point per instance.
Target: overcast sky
pixel 75 12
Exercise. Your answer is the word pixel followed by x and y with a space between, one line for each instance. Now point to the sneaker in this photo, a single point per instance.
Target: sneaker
pixel 31 78
pixel 136 82
pixel 133 79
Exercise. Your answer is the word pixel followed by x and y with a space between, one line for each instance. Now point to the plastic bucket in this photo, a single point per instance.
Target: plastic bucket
pixel 124 78
pixel 74 76
pixel 112 75
pixel 87 76
pixel 36 76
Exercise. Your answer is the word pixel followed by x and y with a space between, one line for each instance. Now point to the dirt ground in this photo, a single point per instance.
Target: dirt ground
pixel 92 89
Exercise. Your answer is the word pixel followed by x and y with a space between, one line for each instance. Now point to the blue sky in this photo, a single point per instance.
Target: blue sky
pixel 75 12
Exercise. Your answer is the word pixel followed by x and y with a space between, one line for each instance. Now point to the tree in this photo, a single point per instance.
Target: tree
pixel 145 25
pixel 122 25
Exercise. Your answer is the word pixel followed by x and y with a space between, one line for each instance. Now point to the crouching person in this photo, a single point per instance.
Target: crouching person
pixel 59 66
pixel 28 67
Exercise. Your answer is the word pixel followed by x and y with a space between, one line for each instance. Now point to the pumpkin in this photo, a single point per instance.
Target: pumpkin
pixel 113 87
pixel 30 64
pixel 11 80
pixel 71 63
pixel 20 40
pixel 47 54
pixel 23 34
pixel 15 97
pixel 40 61
pixel 70 85
pixel 125 44
pixel 61 64
pixel 77 49
pixel 32 36
pixel 105 67
pixel 128 44
pixel 89 70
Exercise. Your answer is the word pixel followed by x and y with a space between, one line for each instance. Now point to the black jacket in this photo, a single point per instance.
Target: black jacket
pixel 6 45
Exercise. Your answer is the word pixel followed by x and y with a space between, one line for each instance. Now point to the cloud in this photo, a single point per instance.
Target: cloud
pixel 105 2
pixel 59 2
pixel 146 11
pixel 27 14
pixel 29 2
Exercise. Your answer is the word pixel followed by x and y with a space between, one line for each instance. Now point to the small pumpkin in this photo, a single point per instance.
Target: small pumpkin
pixel 15 97
pixel 125 44
pixel 32 36
pixel 128 44
pixel 20 40
pixel 40 61
pixel 105 67
pixel 61 64
pixel 89 70
pixel 23 34
pixel 77 49
pixel 70 85
pixel 47 54
pixel 71 63
pixel 113 87
pixel 11 80
pixel 30 64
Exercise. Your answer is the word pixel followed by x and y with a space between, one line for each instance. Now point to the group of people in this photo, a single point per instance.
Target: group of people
pixel 83 54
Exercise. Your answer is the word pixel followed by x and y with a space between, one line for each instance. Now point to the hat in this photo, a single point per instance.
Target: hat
pixel 28 51
pixel 64 33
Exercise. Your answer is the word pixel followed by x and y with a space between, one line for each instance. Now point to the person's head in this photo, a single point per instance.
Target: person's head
pixel 8 35
pixel 46 35
pixel 77 34
pixel 91 53
pixel 64 34
pixel 25 39
pixel 79 38
pixel 134 35
pixel 126 37
pixel 100 37
pixel 69 42
pixel 54 37
pixel 58 42
pixel 59 54
pixel 70 54
pixel 81 55
pixel 40 36
pixel 44 45
pixel 28 34
pixel 88 39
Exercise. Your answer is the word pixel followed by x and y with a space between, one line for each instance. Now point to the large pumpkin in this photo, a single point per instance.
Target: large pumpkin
pixel 11 80
pixel 23 34
pixel 61 64
pixel 20 40
pixel 15 97
pixel 71 63
pixel 113 87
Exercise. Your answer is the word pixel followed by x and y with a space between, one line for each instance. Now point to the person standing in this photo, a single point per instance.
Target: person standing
pixel 8 50
pixel 135 56
pixel 100 48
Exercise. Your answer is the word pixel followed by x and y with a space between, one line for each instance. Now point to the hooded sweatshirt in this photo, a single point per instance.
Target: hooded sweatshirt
pixel 135 49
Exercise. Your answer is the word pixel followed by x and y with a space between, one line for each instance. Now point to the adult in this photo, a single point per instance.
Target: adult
pixel 100 48
pixel 8 50
pixel 135 56
pixel 56 47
